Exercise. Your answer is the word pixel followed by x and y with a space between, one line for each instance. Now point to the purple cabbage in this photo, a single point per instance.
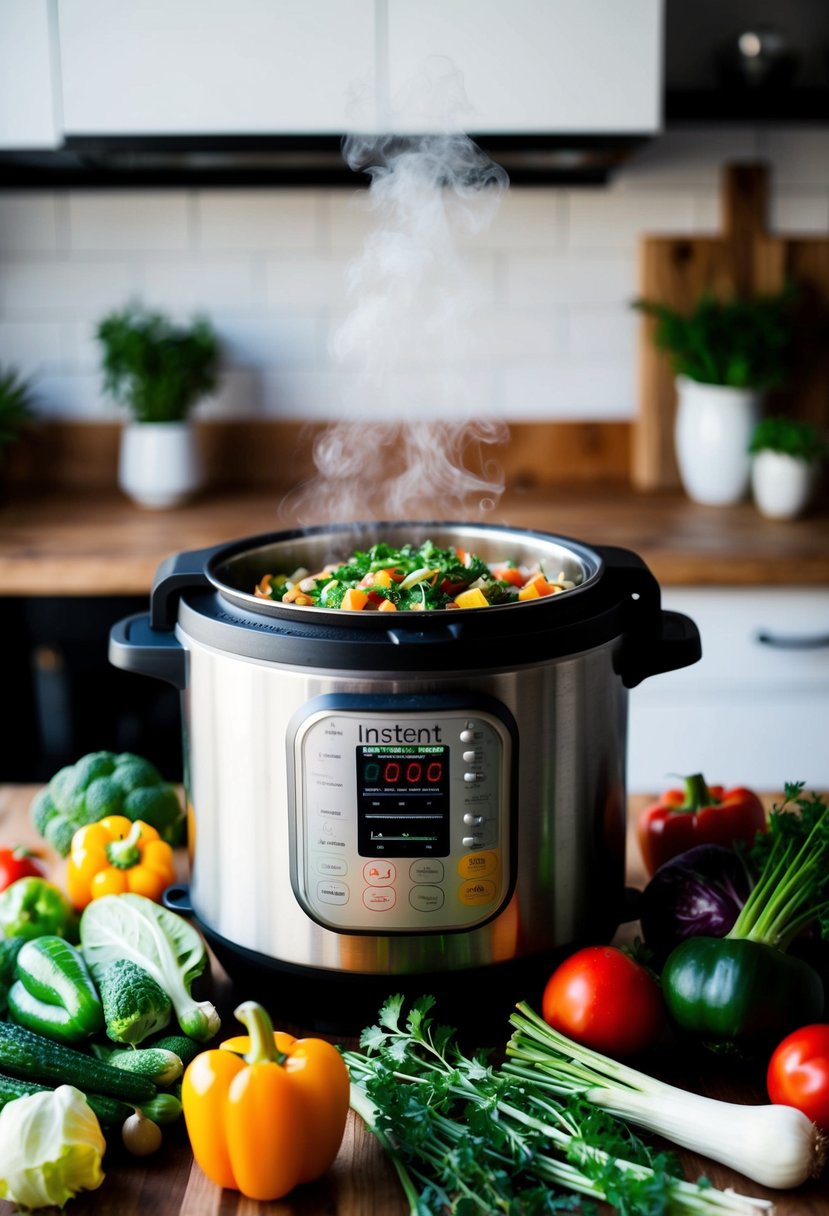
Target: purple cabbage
pixel 697 894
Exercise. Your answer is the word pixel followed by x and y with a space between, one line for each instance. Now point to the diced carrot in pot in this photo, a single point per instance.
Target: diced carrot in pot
pixel 354 600
pixel 387 606
pixel 529 592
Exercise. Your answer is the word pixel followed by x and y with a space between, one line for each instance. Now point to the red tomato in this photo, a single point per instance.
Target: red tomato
pixel 798 1073
pixel 602 998
pixel 18 863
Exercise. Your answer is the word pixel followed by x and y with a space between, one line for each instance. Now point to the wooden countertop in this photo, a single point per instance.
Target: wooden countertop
pixel 97 542
pixel 361 1182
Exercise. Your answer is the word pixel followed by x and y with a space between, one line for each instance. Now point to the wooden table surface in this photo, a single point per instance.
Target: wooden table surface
pixel 99 543
pixel 360 1182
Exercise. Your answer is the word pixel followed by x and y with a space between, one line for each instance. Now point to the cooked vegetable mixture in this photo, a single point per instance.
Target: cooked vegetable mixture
pixel 411 579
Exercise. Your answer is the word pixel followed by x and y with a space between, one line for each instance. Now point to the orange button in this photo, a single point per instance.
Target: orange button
pixel 478 865
pixel 477 891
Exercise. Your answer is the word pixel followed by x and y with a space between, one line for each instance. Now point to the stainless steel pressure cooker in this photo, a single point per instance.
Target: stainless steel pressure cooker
pixel 426 801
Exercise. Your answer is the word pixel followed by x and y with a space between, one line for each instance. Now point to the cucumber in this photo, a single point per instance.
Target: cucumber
pixel 161 1066
pixel 108 1111
pixel 162 1109
pixel 33 1057
pixel 186 1049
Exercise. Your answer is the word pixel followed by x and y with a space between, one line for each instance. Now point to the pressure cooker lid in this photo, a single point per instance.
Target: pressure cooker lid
pixel 236 569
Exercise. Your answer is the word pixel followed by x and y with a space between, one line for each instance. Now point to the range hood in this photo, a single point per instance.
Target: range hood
pixel 113 161
pixel 261 92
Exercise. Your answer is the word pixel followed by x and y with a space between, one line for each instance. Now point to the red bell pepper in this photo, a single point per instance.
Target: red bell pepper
pixel 699 814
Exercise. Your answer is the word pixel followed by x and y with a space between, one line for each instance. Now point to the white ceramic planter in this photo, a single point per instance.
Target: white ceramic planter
pixel 714 425
pixel 782 485
pixel 159 463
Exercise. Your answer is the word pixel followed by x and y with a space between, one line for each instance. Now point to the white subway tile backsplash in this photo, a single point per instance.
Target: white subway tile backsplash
pixel 28 224
pixel 146 221
pixel 187 285
pixel 540 323
pixel 269 341
pixel 613 219
pixel 571 277
pixel 55 289
pixel 306 283
pixel 31 347
pixel 588 390
pixel 799 155
pixel 257 219
pixel 79 395
pixel 800 214
pixel 602 333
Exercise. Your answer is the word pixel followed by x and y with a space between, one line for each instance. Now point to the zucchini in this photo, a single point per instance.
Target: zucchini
pixel 36 1058
pixel 108 1111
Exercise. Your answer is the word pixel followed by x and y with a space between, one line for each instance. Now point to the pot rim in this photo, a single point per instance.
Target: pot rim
pixel 229 568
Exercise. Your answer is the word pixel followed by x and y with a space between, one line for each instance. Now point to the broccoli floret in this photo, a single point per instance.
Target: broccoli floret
pixel 135 1005
pixel 157 805
pixel 101 784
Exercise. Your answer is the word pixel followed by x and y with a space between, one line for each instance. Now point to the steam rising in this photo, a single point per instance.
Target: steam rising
pixel 415 444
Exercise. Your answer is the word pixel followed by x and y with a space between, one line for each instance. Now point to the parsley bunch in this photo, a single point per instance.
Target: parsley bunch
pixel 468 1139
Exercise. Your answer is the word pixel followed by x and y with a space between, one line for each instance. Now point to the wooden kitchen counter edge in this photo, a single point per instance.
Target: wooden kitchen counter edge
pixel 96 542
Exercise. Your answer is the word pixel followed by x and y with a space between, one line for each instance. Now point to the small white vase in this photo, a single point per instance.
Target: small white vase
pixel 714 425
pixel 782 485
pixel 159 463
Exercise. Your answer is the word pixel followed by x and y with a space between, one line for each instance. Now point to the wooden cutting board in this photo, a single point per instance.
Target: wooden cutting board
pixel 746 259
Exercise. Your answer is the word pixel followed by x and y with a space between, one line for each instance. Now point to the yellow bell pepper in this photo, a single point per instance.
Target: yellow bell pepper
pixel 115 855
pixel 263 1122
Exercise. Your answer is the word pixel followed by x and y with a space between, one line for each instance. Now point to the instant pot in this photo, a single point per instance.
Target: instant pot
pixel 415 801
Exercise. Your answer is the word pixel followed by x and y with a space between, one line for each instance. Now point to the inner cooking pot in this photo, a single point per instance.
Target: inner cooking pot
pixel 428 799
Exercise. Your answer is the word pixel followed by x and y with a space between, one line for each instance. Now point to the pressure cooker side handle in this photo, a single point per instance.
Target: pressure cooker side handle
pixel 174 575
pixel 655 640
pixel 135 646
pixel 678 645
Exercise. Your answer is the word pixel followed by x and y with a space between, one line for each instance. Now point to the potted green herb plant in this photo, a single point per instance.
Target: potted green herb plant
pixel 726 355
pixel 15 409
pixel 159 371
pixel 786 462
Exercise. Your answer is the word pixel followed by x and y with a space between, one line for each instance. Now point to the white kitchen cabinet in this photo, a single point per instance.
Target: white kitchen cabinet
pixel 177 67
pixel 29 103
pixel 167 67
pixel 755 709
pixel 562 66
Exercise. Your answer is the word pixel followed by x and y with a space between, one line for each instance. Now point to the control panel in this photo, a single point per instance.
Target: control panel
pixel 400 820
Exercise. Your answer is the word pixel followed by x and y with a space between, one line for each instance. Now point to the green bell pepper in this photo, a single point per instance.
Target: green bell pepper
pixel 54 994
pixel 737 992
pixel 32 907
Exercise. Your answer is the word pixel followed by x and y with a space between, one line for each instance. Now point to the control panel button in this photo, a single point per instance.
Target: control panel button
pixel 477 891
pixel 426 899
pixel 469 778
pixel 470 757
pixel 467 736
pixel 478 865
pixel 472 842
pixel 379 873
pixel 427 869
pixel 473 821
pixel 332 867
pixel 379 899
pixel 332 893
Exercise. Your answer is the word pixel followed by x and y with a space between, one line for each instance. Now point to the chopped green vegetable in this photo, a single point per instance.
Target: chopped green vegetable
pixel 101 784
pixel 51 1146
pixel 34 907
pixel 159 942
pixel 465 1137
pixel 135 1004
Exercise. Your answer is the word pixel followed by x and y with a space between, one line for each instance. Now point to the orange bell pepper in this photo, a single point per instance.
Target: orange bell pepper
pixel 115 855
pixel 263 1122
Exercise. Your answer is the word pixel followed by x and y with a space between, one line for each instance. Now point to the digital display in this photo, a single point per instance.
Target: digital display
pixel 403 801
